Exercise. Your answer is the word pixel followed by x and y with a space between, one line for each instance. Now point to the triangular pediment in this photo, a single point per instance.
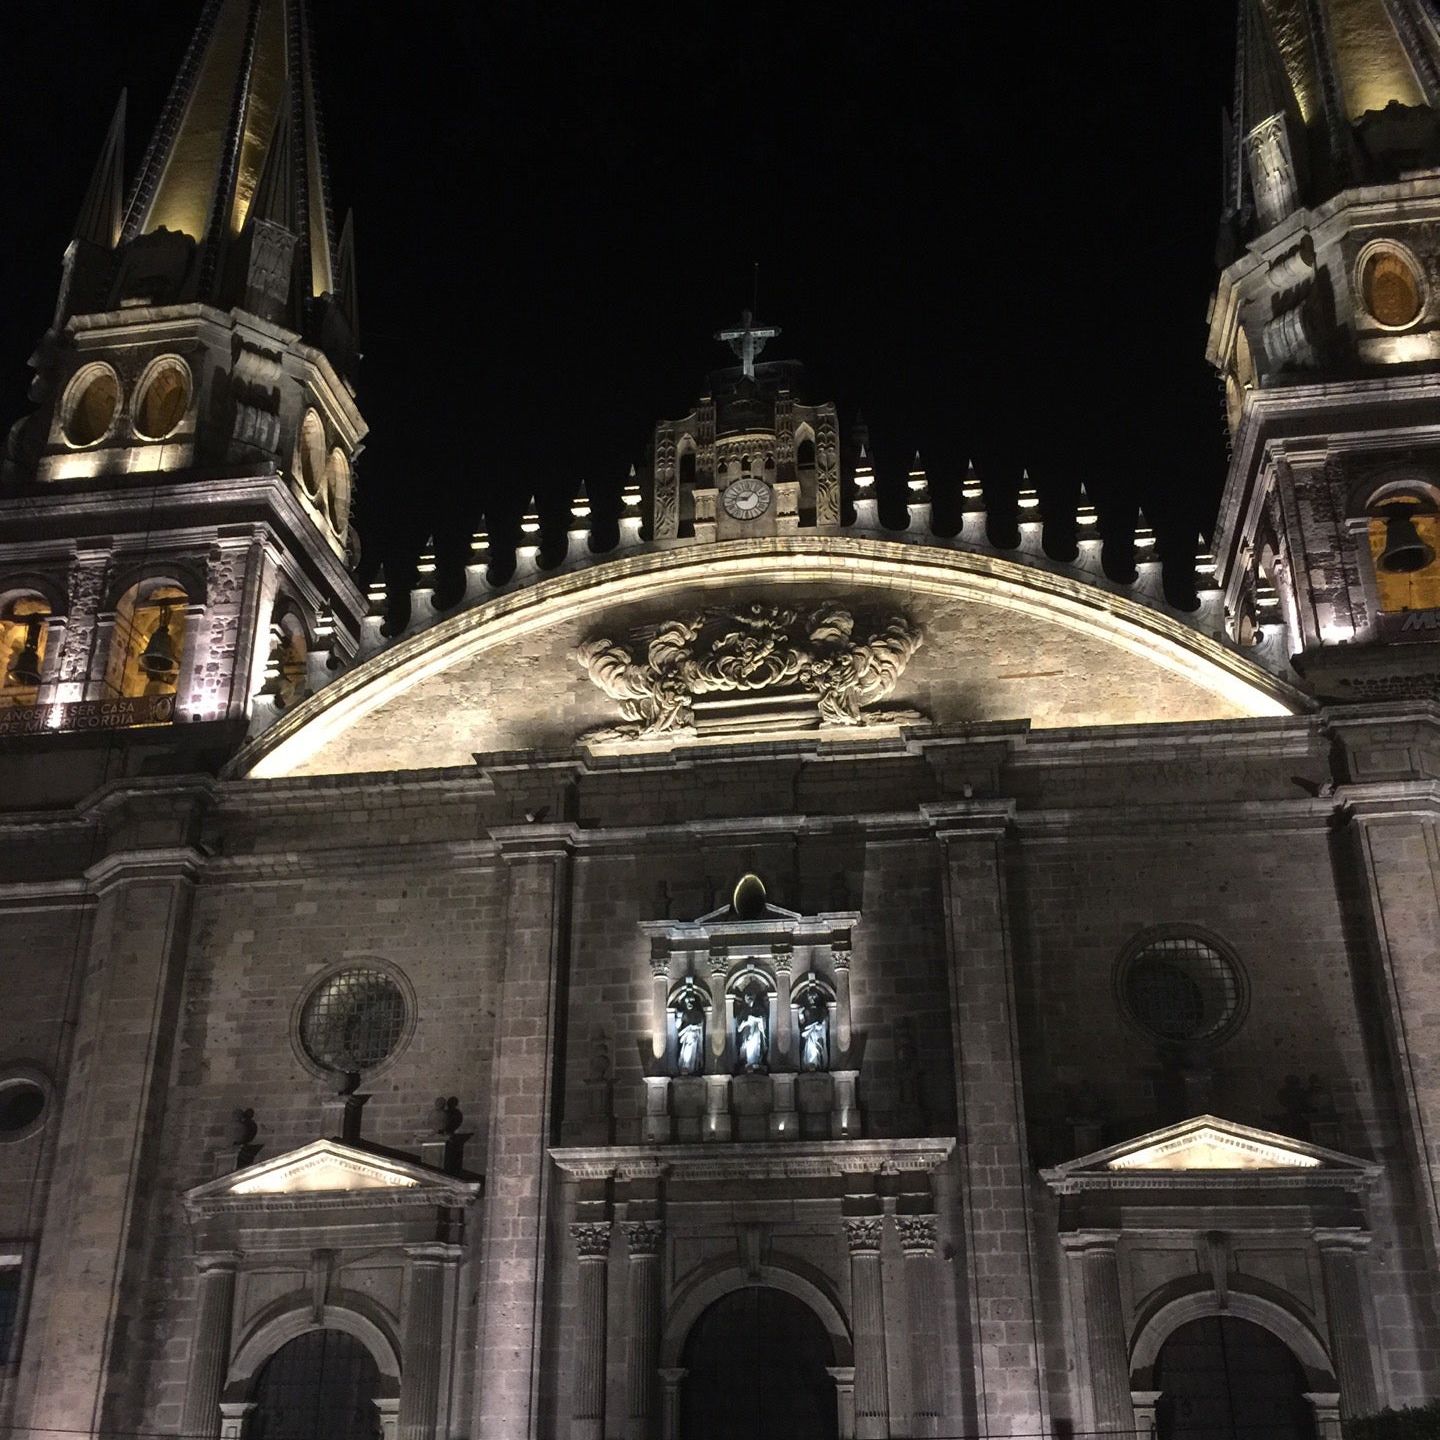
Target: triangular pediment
pixel 1207 1145
pixel 323 1167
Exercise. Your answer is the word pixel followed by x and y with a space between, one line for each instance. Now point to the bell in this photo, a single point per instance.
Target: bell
pixel 158 660
pixel 1404 552
pixel 25 672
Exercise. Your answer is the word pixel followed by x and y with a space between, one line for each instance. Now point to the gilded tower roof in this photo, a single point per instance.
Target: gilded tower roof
pixel 245 87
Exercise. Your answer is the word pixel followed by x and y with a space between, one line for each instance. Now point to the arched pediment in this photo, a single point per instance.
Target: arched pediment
pixel 997 640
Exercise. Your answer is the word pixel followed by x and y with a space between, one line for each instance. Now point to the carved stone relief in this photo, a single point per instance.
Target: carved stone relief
pixel 660 674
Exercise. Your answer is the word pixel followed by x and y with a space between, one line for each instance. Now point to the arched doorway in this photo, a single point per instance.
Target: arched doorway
pixel 319 1386
pixel 756 1362
pixel 1222 1378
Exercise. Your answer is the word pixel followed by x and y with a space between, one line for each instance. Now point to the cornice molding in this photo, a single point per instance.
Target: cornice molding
pixel 781 1160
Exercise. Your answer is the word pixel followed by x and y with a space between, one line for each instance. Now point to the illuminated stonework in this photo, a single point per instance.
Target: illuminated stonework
pixel 323 1166
pixel 1209 1148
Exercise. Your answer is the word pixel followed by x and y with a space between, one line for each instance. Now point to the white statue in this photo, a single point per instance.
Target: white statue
pixel 690 1036
pixel 814 1034
pixel 752 1029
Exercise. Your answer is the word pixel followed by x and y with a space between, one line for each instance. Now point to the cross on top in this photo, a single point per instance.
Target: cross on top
pixel 747 341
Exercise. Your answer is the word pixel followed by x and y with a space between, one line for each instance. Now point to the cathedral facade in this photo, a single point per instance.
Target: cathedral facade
pixel 912 979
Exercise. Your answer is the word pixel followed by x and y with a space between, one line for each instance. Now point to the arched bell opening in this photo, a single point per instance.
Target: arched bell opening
pixel 758 1361
pixel 147 643
pixel 1219 1377
pixel 322 1385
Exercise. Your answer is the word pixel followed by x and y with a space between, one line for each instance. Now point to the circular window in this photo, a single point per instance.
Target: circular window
pixel 24 1097
pixel 311 460
pixel 1181 989
pixel 337 491
pixel 90 406
pixel 353 1020
pixel 1390 287
pixel 164 399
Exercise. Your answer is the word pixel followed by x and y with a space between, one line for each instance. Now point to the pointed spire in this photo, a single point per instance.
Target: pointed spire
pixel 240 136
pixel 346 289
pixel 101 214
pixel 275 194
pixel 1262 88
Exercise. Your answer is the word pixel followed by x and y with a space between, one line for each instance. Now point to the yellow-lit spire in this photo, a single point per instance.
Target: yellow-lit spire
pixel 1358 55
pixel 248 61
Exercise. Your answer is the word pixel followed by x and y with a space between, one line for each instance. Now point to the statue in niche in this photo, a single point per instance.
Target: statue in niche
pixel 814 1032
pixel 752 1029
pixel 690 1034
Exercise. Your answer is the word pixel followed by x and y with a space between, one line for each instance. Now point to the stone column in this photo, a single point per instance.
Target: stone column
pixel 1112 1410
pixel 840 958
pixel 119 1080
pixel 644 1238
pixel 1397 838
pixel 210 1347
pixel 422 1338
pixel 867 1323
pixel 917 1242
pixel 1006 1366
pixel 1341 1258
pixel 517 1175
pixel 717 1027
pixel 671 1380
pixel 780 954
pixel 592 1246
pixel 659 1014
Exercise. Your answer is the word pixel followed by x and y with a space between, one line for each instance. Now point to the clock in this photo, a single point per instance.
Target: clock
pixel 746 498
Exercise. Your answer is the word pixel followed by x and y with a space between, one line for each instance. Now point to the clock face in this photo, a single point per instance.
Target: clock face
pixel 746 498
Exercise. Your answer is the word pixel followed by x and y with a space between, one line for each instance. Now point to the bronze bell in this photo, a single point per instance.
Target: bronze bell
pixel 25 671
pixel 1404 552
pixel 158 660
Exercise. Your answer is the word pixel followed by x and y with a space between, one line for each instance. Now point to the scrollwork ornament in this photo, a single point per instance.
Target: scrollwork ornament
pixel 917 1234
pixel 863 1234
pixel 592 1239
pixel 660 670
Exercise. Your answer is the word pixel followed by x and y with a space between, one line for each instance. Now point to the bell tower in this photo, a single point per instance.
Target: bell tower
pixel 175 536
pixel 1325 330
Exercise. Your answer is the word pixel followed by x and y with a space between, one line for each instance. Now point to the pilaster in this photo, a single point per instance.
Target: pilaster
pixel 592 1248
pixel 210 1346
pixel 1095 1283
pixel 867 1304
pixel 917 1244
pixel 995 1166
pixel 423 1337
pixel 643 1240
pixel 1397 837
pixel 1342 1256
pixel 508 1368
pixel 97 1248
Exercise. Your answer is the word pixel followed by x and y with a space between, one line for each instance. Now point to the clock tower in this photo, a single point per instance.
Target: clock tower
pixel 751 459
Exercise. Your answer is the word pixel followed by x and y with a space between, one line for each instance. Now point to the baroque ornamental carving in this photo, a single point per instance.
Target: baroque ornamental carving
pixel 801 669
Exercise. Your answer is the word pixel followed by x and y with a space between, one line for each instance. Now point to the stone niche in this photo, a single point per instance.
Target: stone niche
pixel 750 1033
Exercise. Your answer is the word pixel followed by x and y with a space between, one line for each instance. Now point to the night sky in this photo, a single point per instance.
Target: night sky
pixel 989 227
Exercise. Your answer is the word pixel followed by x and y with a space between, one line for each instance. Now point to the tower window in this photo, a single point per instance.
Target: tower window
pixel 1390 287
pixel 805 454
pixel 1181 989
pixel 164 399
pixel 310 459
pixel 353 1020
pixel 23 635
pixel 91 404
pixel 337 491
pixel 148 642
pixel 1404 534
